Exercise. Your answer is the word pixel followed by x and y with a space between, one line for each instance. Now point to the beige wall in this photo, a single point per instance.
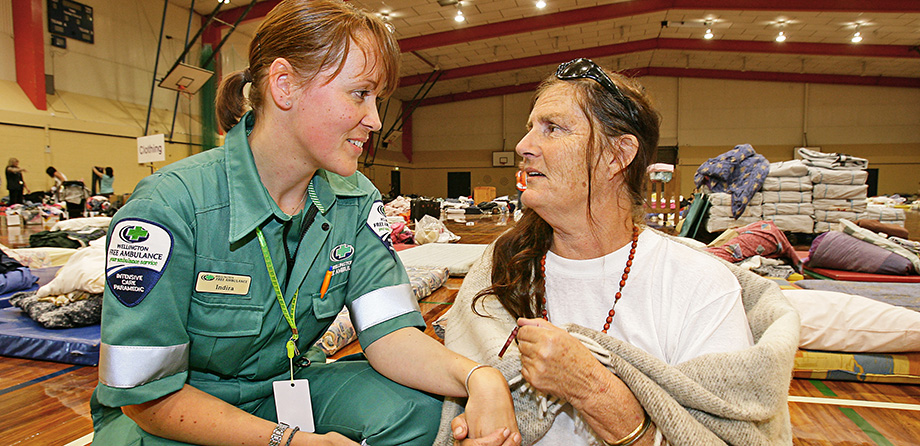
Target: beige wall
pixel 704 118
pixel 119 64
pixel 78 132
pixel 103 89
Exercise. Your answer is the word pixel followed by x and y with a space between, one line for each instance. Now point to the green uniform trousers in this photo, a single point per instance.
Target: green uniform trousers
pixel 349 397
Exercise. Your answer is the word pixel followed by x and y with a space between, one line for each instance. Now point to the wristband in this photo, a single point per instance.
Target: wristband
pixel 293 431
pixel 469 374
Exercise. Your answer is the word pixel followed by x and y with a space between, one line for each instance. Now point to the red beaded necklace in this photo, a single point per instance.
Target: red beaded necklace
pixel 616 298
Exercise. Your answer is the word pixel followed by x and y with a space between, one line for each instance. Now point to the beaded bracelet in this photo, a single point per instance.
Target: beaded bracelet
pixel 293 431
pixel 469 374
pixel 277 434
pixel 635 435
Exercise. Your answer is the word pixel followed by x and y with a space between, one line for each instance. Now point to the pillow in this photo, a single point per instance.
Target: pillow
pixel 877 240
pixel 61 312
pixel 843 322
pixel 838 250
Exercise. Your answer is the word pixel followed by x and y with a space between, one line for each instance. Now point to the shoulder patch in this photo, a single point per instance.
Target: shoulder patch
pixel 377 221
pixel 136 254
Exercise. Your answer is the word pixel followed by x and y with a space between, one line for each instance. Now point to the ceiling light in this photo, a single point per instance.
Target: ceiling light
pixel 541 4
pixel 858 36
pixel 781 37
pixel 386 22
pixel 459 17
pixel 708 34
pixel 226 2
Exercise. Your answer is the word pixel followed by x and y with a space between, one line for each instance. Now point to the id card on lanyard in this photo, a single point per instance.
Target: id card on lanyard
pixel 292 397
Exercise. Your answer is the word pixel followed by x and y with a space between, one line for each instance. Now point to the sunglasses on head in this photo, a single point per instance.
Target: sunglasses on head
pixel 586 69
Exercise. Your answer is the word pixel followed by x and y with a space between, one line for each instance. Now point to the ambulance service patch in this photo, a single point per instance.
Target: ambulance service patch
pixel 137 252
pixel 377 221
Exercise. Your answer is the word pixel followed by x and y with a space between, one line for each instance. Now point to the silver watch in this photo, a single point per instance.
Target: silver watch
pixel 277 434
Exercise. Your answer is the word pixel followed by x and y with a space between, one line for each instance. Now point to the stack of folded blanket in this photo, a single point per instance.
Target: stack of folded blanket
pixel 787 197
pixel 884 214
pixel 733 178
pixel 720 213
pixel 838 194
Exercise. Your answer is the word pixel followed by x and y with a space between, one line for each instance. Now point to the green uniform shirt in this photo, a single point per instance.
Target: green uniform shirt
pixel 188 298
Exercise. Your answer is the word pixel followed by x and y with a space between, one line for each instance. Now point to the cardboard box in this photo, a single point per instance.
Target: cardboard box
pixel 13 220
pixel 483 193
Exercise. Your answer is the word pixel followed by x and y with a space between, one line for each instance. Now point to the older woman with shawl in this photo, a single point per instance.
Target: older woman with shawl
pixel 610 332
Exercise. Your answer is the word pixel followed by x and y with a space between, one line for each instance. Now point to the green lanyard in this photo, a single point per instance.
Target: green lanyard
pixel 289 316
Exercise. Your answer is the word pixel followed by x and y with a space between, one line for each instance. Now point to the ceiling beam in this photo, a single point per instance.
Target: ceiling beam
pixel 817 49
pixel 834 79
pixel 806 78
pixel 636 7
pixel 258 11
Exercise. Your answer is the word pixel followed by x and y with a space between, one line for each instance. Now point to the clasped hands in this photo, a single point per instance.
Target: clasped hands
pixel 552 362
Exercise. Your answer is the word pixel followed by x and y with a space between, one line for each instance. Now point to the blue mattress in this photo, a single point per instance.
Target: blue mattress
pixel 21 337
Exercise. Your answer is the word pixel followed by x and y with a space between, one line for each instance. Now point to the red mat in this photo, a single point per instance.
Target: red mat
pixel 853 276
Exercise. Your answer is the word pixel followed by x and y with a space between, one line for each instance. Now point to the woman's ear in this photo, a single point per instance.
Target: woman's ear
pixel 625 148
pixel 281 83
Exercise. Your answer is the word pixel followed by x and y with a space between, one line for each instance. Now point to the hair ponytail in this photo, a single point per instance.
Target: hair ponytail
pixel 231 103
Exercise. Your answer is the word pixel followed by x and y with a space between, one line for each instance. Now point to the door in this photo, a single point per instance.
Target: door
pixel 394 184
pixel 458 183
pixel 872 182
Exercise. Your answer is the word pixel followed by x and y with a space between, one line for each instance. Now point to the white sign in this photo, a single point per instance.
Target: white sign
pixel 151 148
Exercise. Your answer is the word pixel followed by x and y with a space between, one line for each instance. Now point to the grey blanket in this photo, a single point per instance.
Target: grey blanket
pixel 742 401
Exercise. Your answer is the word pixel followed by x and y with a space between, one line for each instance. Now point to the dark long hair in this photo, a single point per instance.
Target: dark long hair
pixel 517 282
pixel 312 35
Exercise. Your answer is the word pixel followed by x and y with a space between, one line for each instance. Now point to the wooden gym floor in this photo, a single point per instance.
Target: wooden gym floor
pixel 47 403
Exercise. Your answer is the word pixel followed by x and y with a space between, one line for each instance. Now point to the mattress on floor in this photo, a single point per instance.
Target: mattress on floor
pixel 905 295
pixel 21 337
pixel 855 276
pixel 888 368
pixel 457 258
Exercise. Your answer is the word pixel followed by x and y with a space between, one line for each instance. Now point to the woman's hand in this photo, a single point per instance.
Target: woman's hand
pixel 501 437
pixel 556 363
pixel 489 408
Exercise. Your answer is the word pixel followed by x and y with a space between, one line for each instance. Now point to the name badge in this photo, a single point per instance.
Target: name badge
pixel 292 403
pixel 218 283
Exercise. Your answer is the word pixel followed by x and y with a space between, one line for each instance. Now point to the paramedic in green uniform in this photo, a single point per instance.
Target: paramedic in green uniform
pixel 224 268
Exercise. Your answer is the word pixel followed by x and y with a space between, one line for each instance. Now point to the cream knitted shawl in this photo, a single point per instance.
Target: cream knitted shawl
pixel 737 398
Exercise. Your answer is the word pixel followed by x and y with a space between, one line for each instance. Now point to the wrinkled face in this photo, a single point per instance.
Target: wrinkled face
pixel 338 116
pixel 554 153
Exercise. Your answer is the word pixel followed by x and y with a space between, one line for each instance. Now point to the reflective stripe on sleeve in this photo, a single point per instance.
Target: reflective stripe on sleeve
pixel 382 305
pixel 124 366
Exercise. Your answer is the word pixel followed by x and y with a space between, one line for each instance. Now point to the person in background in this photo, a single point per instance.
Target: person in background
pixel 225 268
pixel 14 182
pixel 59 180
pixel 521 182
pixel 610 332
pixel 106 180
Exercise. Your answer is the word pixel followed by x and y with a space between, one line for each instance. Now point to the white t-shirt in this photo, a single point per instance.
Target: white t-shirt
pixel 677 304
